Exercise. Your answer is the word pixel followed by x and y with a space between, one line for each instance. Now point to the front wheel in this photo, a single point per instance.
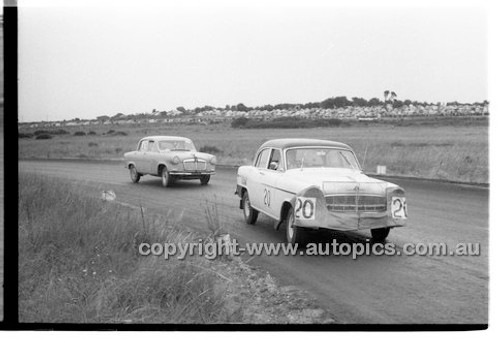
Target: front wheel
pixel 166 178
pixel 380 234
pixel 134 175
pixel 249 213
pixel 293 234
pixel 205 179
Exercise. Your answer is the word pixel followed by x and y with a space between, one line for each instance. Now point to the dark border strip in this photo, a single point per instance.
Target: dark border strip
pixel 253 327
pixel 10 168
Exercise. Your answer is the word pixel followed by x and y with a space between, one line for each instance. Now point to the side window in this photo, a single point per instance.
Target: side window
pixel 151 145
pixel 143 146
pixel 275 162
pixel 263 158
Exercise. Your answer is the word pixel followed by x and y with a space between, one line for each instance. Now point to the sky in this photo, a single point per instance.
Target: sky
pixel 91 61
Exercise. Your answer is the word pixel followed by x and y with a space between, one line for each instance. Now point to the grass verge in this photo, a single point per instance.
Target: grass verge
pixel 78 263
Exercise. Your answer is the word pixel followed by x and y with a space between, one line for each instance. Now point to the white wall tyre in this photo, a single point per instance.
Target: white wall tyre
pixel 249 213
pixel 293 234
pixel 134 175
pixel 166 179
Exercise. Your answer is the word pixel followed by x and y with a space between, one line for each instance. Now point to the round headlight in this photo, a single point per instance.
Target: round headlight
pixel 176 160
pixel 213 160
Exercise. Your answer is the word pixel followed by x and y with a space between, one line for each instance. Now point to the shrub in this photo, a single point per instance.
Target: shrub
pixel 119 133
pixel 51 132
pixel 25 135
pixel 43 137
pixel 91 133
pixel 115 133
pixel 210 150
pixel 93 144
pixel 239 122
pixel 79 133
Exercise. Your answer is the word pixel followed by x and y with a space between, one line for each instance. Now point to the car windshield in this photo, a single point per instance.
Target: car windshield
pixel 176 145
pixel 320 157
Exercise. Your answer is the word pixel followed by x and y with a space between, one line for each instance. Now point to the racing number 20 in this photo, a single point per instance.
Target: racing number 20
pixel 305 208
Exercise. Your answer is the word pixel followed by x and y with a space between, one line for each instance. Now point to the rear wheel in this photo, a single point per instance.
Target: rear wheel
pixel 205 179
pixel 249 213
pixel 380 234
pixel 293 234
pixel 166 178
pixel 134 175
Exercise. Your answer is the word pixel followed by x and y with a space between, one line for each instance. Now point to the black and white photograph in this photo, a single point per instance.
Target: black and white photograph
pixel 297 165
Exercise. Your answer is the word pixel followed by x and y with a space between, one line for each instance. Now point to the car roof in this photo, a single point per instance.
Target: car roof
pixel 288 143
pixel 159 137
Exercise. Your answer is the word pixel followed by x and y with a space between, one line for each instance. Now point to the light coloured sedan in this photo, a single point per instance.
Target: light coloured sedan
pixel 307 184
pixel 171 158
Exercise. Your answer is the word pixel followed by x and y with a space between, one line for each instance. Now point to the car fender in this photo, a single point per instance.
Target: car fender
pixel 129 163
pixel 309 206
pixel 160 164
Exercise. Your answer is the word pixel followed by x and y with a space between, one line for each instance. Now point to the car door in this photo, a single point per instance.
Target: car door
pixel 151 157
pixel 269 176
pixel 140 157
pixel 255 180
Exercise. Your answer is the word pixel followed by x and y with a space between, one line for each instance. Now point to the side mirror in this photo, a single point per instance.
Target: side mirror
pixel 273 165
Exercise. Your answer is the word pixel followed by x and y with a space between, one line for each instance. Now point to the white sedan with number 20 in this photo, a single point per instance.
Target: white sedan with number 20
pixel 308 184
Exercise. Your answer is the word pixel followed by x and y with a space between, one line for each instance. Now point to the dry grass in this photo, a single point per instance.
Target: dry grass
pixel 78 263
pixel 456 151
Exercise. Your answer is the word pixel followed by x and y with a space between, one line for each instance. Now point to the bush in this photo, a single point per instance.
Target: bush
pixel 44 137
pixel 25 135
pixel 119 133
pixel 115 133
pixel 91 133
pixel 93 144
pixel 210 150
pixel 79 133
pixel 239 122
pixel 51 132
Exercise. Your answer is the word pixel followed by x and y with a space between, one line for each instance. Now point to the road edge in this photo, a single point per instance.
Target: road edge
pixel 235 167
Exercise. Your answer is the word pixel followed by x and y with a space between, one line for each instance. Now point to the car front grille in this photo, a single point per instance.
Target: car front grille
pixel 194 165
pixel 356 203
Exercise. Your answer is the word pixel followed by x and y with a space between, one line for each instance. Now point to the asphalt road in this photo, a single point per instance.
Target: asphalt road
pixel 371 289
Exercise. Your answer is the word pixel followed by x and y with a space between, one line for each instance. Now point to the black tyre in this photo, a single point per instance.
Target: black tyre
pixel 249 213
pixel 293 234
pixel 166 179
pixel 134 175
pixel 205 179
pixel 380 234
